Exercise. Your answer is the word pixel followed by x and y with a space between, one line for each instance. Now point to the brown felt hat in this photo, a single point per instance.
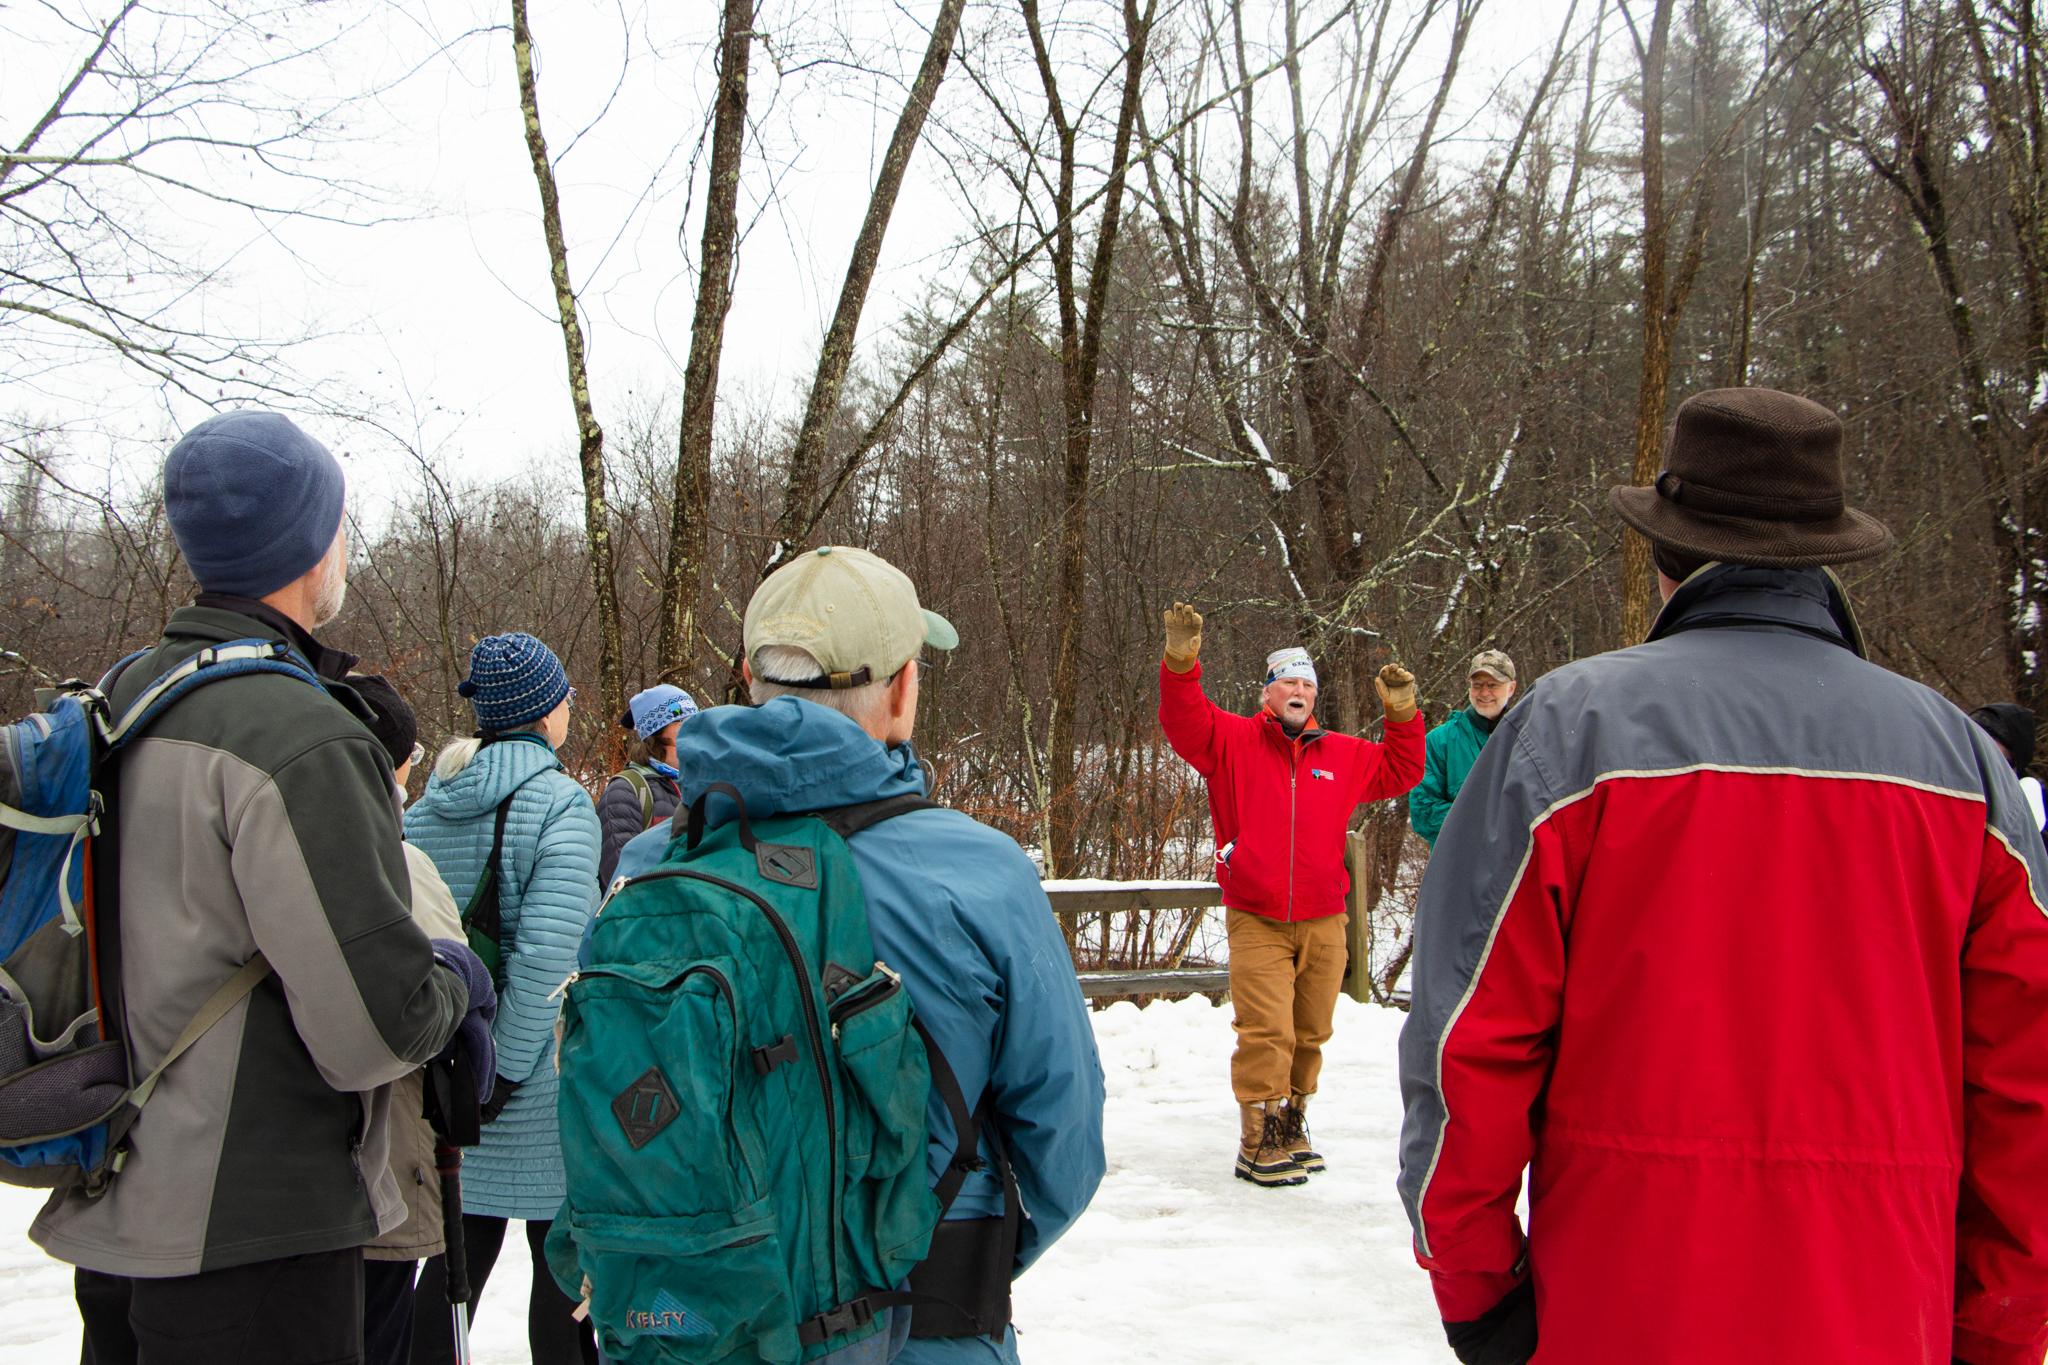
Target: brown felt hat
pixel 1753 476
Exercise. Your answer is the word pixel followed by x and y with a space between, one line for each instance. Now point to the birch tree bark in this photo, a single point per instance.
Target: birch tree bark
pixel 589 434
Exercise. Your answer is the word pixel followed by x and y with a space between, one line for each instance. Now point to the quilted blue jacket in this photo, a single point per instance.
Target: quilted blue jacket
pixel 547 889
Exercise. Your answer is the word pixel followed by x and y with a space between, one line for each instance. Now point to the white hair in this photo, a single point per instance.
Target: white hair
pixel 866 706
pixel 460 753
pixel 332 592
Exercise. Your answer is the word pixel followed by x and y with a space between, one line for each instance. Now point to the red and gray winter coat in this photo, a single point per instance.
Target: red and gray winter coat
pixel 1737 942
pixel 1279 805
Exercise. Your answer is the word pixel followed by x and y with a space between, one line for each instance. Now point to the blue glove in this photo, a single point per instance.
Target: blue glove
pixel 473 1034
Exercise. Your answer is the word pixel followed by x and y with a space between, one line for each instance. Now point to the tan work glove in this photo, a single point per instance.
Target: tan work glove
pixel 1183 636
pixel 1396 686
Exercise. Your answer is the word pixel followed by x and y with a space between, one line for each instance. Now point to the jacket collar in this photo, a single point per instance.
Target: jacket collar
pixel 1310 732
pixel 1758 597
pixel 219 617
pixel 330 663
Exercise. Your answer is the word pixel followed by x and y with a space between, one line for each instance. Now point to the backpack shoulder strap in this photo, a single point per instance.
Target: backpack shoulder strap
pixel 215 663
pixel 487 879
pixel 847 821
pixel 224 998
pixel 643 789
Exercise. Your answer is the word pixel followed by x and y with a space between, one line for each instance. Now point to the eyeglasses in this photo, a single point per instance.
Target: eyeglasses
pixel 570 700
pixel 419 751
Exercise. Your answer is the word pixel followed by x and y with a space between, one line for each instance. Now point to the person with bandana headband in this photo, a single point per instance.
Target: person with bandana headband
pixel 1281 793
pixel 646 793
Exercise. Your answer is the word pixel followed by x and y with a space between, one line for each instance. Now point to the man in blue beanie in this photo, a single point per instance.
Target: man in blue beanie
pixel 258 816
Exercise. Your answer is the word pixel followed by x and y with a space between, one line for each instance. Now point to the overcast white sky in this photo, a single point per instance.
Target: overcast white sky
pixel 442 319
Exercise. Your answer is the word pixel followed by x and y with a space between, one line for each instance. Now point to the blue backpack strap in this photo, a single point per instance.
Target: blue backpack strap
pixel 215 663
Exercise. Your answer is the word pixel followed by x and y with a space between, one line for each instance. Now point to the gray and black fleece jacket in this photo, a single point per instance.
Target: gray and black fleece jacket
pixel 258 815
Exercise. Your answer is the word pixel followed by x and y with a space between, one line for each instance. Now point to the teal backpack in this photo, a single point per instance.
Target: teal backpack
pixel 742 1106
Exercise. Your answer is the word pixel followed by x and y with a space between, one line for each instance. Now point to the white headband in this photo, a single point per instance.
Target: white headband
pixel 1292 662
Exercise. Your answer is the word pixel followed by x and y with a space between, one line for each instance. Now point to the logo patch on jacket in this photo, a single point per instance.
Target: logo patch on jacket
pixel 1322 774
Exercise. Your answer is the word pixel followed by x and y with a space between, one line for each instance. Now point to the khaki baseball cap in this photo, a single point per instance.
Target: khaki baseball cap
pixel 856 613
pixel 1495 663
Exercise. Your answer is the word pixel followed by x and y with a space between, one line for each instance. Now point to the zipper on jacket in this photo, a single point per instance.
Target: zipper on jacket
pixel 1293 778
pixel 811 1023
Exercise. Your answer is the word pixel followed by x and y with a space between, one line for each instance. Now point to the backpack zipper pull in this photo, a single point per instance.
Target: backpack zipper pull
pixel 558 992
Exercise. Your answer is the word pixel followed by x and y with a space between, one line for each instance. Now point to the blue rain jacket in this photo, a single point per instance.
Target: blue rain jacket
pixel 957 908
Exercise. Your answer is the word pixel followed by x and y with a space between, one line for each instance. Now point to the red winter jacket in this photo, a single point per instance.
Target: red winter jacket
pixel 1279 805
pixel 1737 943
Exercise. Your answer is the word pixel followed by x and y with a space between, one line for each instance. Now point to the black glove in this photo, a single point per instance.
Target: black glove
pixel 1504 1334
pixel 502 1092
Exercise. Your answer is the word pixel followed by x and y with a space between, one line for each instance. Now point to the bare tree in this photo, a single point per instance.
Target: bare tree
pixel 1912 71
pixel 1667 284
pixel 167 137
pixel 590 435
pixel 717 258
pixel 806 461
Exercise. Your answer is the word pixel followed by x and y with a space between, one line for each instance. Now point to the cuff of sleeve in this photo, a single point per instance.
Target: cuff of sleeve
pixel 1167 673
pixel 1463 1296
pixel 1466 1290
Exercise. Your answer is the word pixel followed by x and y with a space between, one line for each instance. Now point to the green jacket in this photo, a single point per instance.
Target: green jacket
pixel 1453 748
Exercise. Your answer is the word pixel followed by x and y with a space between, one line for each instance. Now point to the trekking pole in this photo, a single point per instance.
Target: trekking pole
pixel 455 1259
pixel 452 1114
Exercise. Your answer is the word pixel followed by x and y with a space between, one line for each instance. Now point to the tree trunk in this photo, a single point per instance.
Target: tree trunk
pixel 1080 358
pixel 590 436
pixel 836 356
pixel 687 537
pixel 1636 580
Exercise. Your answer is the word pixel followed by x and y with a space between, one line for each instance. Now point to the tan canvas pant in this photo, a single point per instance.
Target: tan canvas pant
pixel 1283 986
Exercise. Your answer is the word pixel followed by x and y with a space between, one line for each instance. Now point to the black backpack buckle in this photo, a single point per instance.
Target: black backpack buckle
pixel 766 1059
pixel 847 1317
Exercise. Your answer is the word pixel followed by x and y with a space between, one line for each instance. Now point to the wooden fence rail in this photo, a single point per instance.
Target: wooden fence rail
pixel 1082 899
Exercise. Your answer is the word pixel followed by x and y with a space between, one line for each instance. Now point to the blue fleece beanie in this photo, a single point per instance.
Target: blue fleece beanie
pixel 253 501
pixel 513 680
pixel 657 708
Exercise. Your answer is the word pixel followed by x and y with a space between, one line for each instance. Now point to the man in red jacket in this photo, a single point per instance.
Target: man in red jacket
pixel 1281 793
pixel 1736 942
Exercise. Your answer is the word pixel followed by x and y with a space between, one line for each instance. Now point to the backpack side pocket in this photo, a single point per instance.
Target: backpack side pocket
pixel 649 1052
pixel 890 1209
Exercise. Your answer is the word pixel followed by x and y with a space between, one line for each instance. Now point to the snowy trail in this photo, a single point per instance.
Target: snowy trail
pixel 1175 1261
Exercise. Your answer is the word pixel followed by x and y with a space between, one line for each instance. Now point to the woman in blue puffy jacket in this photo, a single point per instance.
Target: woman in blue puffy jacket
pixel 547 887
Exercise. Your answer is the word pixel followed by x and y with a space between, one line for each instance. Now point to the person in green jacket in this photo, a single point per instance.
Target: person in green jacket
pixel 1454 745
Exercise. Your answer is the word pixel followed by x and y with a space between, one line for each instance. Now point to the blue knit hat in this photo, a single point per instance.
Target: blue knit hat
pixel 253 501
pixel 658 707
pixel 513 680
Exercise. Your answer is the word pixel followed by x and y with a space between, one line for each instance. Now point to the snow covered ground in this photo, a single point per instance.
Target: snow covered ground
pixel 1176 1262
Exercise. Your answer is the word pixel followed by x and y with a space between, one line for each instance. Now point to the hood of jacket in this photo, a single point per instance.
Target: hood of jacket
pixel 497 770
pixel 1759 597
pixel 792 755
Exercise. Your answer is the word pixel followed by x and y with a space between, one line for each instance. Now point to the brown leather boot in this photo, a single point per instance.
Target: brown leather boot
pixel 1294 1136
pixel 1261 1158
